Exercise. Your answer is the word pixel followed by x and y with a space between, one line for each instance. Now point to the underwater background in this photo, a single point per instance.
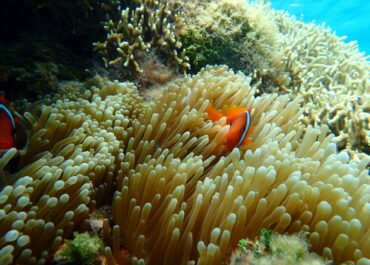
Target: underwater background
pixel 346 18
pixel 204 132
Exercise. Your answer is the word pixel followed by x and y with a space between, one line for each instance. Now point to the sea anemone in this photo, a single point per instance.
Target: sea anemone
pixel 177 194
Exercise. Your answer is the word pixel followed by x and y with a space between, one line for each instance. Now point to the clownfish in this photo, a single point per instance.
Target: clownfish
pixel 7 125
pixel 239 119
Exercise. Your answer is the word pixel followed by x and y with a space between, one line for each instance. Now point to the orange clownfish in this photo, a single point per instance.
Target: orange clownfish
pixel 239 119
pixel 7 125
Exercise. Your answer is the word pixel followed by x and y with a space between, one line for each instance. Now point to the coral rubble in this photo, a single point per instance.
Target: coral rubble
pixel 177 195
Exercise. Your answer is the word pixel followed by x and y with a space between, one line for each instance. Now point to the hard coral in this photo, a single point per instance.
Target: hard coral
pixel 141 27
pixel 234 33
pixel 203 49
pixel 334 76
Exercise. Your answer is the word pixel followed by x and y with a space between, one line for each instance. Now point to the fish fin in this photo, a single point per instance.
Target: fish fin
pixel 231 112
pixel 213 114
pixel 234 110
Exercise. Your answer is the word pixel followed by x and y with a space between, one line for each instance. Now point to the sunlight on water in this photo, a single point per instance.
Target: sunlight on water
pixel 346 18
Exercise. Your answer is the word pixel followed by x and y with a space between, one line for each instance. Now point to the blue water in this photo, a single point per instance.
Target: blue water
pixel 349 18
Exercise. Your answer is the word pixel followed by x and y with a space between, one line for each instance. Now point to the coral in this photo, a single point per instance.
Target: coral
pixel 82 250
pixel 286 56
pixel 334 77
pixel 272 248
pixel 143 26
pixel 234 33
pixel 177 195
pixel 203 48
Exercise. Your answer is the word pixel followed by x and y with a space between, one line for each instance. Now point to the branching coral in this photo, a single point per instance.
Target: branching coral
pixel 177 195
pixel 335 80
pixel 141 27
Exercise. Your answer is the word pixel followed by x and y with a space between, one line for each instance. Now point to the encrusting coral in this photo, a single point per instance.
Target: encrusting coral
pixel 334 75
pixel 178 197
pixel 233 32
pixel 83 250
pixel 143 26
pixel 271 248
